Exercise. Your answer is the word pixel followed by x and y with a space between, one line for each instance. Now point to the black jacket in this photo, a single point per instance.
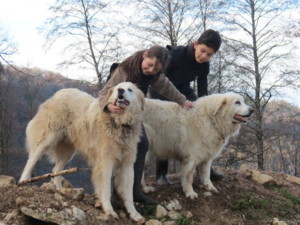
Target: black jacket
pixel 183 68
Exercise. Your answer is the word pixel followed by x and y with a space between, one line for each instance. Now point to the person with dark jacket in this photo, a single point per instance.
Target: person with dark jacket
pixel 143 69
pixel 188 63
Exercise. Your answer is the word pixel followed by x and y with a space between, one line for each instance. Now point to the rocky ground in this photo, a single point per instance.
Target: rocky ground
pixel 245 197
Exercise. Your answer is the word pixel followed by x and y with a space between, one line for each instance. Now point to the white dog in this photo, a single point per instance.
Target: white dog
pixel 194 137
pixel 73 121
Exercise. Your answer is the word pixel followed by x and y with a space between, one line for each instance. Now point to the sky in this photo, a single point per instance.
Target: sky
pixel 20 19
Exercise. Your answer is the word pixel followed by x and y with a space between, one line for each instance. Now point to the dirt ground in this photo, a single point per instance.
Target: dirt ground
pixel 239 201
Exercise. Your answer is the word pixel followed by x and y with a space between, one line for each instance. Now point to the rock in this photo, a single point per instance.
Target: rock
pixel 66 216
pixel 122 215
pixel 173 215
pixel 174 205
pixel 55 217
pixel 188 214
pixel 277 222
pixel 48 186
pixel 207 194
pixel 19 201
pixel 6 180
pixel 262 179
pixel 64 182
pixel 160 211
pixel 49 210
pixel 293 179
pixel 103 217
pixel 169 223
pixel 58 197
pixel 153 222
pixel 78 214
pixel 73 193
pixel 97 204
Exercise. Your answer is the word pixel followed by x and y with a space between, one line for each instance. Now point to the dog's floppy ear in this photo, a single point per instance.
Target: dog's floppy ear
pixel 141 96
pixel 109 93
pixel 221 105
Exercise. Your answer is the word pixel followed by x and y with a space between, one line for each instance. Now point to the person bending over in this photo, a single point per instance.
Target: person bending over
pixel 144 69
pixel 188 63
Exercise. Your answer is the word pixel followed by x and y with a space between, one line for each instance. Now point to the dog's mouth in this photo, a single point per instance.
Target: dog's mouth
pixel 121 101
pixel 241 118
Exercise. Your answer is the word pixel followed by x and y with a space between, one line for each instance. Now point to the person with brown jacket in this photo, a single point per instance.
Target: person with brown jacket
pixel 144 69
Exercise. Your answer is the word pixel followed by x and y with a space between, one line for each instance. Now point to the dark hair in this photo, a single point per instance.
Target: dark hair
pixel 211 38
pixel 132 65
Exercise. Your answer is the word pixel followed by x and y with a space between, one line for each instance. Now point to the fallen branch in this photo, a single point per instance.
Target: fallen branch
pixel 45 176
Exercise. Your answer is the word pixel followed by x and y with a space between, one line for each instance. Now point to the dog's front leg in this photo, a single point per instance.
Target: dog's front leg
pixel 102 174
pixel 124 188
pixel 205 176
pixel 188 168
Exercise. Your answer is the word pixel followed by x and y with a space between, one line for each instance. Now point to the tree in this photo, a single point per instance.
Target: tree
pixel 7 48
pixel 88 39
pixel 261 47
pixel 173 22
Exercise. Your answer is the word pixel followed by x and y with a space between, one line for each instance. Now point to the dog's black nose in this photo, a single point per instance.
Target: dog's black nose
pixel 251 110
pixel 120 93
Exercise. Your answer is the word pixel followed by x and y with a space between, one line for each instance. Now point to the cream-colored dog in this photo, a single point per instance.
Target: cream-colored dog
pixel 195 137
pixel 72 121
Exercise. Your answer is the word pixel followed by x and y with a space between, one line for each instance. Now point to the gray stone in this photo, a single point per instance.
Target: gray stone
pixel 7 180
pixel 55 217
pixel 78 214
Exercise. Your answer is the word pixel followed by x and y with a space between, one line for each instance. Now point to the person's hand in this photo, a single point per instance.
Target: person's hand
pixel 115 109
pixel 188 104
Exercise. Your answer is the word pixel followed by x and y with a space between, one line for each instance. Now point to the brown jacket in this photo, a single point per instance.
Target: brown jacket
pixel 161 85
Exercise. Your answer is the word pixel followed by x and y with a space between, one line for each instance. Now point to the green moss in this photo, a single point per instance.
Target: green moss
pixel 183 221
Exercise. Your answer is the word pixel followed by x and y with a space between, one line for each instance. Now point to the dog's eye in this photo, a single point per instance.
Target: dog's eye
pixel 129 89
pixel 238 102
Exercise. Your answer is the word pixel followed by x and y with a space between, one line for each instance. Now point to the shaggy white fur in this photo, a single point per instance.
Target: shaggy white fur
pixel 194 137
pixel 72 121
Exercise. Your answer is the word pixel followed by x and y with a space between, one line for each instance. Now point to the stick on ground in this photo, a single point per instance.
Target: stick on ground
pixel 34 179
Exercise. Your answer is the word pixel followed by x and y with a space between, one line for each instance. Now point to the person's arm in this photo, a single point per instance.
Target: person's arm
pixel 117 77
pixel 166 88
pixel 202 86
pixel 202 83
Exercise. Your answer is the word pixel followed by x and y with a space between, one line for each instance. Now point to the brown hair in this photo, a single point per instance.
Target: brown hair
pixel 132 65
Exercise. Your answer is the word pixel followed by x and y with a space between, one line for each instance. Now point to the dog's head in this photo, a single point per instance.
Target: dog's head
pixel 126 95
pixel 234 106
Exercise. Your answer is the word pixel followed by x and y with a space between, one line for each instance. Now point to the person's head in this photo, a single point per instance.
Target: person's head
pixel 154 60
pixel 149 62
pixel 207 45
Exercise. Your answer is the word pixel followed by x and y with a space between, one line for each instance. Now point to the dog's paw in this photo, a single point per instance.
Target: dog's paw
pixel 148 189
pixel 138 218
pixel 112 214
pixel 210 187
pixel 192 195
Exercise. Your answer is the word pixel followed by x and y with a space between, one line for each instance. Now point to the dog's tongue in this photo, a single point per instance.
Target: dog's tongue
pixel 240 118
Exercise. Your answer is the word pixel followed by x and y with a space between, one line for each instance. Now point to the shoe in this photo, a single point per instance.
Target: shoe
pixel 161 172
pixel 215 175
pixel 164 180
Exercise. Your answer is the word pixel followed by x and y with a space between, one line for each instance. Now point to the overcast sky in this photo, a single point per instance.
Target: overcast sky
pixel 20 18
